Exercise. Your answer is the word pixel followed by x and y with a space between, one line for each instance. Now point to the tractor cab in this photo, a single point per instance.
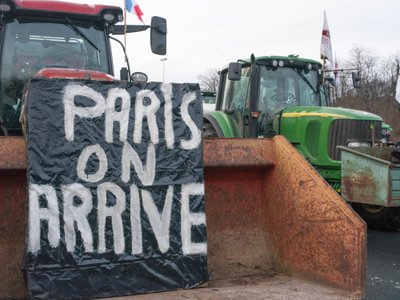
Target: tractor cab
pixel 55 39
pixel 255 92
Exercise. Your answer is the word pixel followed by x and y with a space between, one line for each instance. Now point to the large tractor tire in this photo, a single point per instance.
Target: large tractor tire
pixel 379 217
pixel 3 130
pixel 209 131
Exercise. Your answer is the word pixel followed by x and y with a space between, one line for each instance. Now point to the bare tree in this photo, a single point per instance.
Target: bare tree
pixel 209 80
pixel 390 73
pixel 378 83
pixel 366 62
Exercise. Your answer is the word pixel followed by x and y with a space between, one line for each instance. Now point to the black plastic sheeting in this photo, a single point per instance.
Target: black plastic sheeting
pixel 93 230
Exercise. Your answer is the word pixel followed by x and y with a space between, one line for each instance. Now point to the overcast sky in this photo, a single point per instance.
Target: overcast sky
pixel 206 34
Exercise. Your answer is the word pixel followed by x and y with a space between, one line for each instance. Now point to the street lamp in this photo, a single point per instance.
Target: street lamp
pixel 163 71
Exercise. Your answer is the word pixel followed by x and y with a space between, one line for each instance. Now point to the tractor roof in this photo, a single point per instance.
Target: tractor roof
pixel 291 57
pixel 51 7
pixel 290 60
pixel 61 6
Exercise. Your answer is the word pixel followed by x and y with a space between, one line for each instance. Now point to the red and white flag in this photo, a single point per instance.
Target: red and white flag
pixel 398 89
pixel 133 7
pixel 335 71
pixel 326 46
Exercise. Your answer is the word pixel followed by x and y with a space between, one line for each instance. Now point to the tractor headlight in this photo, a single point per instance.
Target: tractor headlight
pixel 112 16
pixel 358 144
pixel 5 6
pixel 109 18
pixel 139 78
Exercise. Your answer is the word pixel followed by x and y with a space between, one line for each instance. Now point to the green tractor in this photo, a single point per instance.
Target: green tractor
pixel 289 96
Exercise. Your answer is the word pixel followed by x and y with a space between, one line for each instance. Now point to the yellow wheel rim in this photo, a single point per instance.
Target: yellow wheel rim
pixel 373 209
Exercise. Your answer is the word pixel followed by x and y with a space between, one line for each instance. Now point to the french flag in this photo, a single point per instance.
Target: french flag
pixel 133 7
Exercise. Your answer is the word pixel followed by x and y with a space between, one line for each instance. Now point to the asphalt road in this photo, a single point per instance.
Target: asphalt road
pixel 383 265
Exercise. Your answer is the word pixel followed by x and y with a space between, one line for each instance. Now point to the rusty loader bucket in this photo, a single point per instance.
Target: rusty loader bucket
pixel 268 213
pixel 13 194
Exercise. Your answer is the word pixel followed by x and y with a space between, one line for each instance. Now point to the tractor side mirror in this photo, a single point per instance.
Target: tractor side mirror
pixel 355 76
pixel 158 35
pixel 234 71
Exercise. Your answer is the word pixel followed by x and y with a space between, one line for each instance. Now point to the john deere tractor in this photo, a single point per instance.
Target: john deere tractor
pixel 287 95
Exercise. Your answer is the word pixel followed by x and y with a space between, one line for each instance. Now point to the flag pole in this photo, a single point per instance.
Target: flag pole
pixel 125 24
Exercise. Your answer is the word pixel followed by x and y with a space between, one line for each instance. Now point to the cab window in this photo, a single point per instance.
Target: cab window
pixel 236 93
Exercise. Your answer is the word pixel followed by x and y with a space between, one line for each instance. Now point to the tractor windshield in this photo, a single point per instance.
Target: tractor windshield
pixel 288 86
pixel 29 46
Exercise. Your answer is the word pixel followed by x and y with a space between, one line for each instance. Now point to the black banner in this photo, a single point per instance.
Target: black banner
pixel 116 193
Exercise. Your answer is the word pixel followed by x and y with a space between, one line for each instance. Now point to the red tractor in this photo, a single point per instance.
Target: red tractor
pixel 55 39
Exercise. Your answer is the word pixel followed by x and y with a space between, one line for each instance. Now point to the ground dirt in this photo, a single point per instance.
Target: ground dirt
pixel 254 288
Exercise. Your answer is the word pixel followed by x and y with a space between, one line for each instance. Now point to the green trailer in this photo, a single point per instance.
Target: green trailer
pixel 371 182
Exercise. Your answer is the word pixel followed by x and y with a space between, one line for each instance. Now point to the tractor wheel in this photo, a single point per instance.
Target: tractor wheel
pixel 3 130
pixel 379 217
pixel 209 131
